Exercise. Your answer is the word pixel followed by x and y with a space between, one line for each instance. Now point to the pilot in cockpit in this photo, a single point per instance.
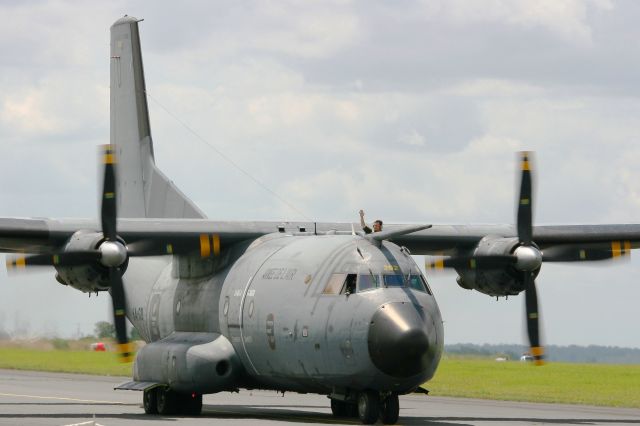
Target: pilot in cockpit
pixel 377 225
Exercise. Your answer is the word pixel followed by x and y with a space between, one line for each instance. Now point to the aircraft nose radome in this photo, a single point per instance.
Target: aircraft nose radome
pixel 399 340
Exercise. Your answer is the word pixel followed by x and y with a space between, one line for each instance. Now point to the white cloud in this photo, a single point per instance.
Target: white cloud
pixel 309 29
pixel 412 138
pixel 567 19
pixel 55 106
pixel 490 88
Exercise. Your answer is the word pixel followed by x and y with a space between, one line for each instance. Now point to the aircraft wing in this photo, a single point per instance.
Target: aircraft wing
pixel 38 235
pixel 444 239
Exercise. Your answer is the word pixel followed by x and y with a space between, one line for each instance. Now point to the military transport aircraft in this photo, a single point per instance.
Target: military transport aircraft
pixel 304 307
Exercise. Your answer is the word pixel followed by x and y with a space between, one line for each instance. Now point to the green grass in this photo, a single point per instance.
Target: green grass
pixel 99 363
pixel 592 384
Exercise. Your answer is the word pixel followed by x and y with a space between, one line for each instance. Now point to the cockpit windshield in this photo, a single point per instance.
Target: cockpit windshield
pixel 353 283
pixel 395 280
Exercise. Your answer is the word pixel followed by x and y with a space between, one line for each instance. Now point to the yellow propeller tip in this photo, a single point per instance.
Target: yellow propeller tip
pixel 126 352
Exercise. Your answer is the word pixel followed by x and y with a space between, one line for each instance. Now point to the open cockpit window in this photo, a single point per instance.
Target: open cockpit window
pixel 350 284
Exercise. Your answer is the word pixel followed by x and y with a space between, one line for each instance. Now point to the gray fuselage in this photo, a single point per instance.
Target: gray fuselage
pixel 305 313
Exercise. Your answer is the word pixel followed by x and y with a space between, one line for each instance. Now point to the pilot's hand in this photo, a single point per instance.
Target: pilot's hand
pixel 361 213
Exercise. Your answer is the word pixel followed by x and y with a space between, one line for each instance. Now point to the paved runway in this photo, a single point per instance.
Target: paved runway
pixel 32 398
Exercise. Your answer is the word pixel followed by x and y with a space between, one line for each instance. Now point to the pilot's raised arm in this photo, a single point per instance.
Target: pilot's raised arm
pixel 377 225
pixel 364 226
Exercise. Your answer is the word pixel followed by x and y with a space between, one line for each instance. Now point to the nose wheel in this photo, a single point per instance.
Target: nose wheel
pixel 369 406
pixel 390 409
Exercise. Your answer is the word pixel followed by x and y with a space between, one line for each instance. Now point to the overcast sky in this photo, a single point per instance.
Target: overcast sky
pixel 411 110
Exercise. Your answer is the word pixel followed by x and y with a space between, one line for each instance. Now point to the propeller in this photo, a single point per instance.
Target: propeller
pixel 111 253
pixel 526 259
pixel 529 258
pixel 114 254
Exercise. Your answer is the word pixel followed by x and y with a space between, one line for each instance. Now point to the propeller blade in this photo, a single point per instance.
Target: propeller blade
pixel 575 253
pixel 74 258
pixel 124 349
pixel 108 209
pixel 533 318
pixel 472 262
pixel 525 220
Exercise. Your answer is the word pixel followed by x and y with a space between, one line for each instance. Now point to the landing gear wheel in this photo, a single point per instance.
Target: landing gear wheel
pixel 166 401
pixel 338 408
pixel 191 404
pixel 368 407
pixel 352 410
pixel 390 410
pixel 150 401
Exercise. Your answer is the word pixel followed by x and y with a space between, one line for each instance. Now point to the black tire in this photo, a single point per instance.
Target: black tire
pixel 166 401
pixel 150 401
pixel 338 408
pixel 190 404
pixel 390 410
pixel 368 407
pixel 352 410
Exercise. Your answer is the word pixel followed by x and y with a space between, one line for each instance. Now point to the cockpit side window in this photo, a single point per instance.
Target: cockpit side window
pixel 335 284
pixel 417 282
pixel 426 285
pixel 341 284
pixel 368 282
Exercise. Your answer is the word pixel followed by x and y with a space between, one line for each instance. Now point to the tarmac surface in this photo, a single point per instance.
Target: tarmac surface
pixel 36 398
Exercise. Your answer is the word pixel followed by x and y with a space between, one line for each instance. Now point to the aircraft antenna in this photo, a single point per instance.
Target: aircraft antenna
pixel 228 159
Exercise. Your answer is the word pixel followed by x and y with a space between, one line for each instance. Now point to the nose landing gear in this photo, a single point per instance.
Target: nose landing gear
pixel 369 406
pixel 390 409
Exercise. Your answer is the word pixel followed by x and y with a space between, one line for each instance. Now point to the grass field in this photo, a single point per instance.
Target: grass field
pixel 592 384
pixel 65 361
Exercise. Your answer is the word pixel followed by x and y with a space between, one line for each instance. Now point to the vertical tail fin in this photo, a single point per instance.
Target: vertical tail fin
pixel 143 190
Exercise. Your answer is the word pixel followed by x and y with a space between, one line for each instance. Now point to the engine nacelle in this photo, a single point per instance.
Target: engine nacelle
pixel 505 282
pixel 86 278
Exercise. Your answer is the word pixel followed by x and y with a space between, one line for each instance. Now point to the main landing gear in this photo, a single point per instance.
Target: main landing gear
pixel 164 401
pixel 369 406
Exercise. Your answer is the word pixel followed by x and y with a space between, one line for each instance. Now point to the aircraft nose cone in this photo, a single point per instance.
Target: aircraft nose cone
pixel 398 340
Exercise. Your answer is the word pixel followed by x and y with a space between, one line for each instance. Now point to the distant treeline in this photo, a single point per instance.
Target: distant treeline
pixel 572 353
